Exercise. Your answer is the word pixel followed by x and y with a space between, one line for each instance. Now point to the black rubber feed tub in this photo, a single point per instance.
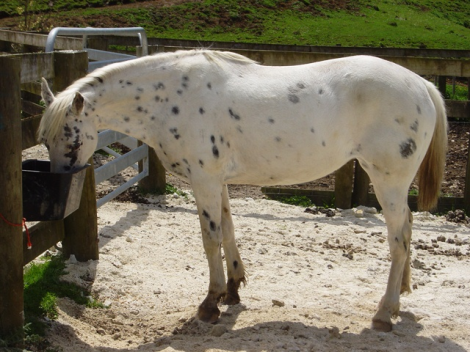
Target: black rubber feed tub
pixel 50 196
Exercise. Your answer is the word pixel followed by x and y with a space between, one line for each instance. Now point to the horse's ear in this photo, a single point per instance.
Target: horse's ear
pixel 77 104
pixel 46 93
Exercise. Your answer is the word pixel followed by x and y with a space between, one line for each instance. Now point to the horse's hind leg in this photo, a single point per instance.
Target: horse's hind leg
pixel 399 221
pixel 406 279
pixel 208 194
pixel 235 268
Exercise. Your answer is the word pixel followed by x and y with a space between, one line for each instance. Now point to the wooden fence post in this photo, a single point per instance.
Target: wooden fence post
pixel 361 186
pixel 155 182
pixel 11 205
pixel 442 82
pixel 80 227
pixel 466 194
pixel 343 185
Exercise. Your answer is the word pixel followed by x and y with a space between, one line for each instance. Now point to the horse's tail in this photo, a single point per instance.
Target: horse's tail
pixel 431 171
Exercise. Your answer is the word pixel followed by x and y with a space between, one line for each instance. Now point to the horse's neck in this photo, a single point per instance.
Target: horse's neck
pixel 123 105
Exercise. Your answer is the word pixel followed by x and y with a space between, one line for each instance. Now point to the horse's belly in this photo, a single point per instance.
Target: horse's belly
pixel 266 170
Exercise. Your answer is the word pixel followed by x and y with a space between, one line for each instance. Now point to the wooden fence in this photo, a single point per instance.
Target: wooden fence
pixel 78 232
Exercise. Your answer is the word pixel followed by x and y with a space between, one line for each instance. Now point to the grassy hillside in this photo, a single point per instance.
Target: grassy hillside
pixel 399 23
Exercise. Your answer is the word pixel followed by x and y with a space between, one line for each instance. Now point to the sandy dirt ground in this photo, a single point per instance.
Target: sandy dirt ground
pixel 314 282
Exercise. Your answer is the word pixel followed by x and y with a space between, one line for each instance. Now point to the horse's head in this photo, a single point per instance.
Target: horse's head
pixel 66 131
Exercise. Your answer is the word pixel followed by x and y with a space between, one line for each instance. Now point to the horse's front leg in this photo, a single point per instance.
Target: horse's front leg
pixel 208 196
pixel 235 267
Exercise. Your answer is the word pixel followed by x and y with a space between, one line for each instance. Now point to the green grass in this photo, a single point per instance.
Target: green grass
pixel 170 189
pixel 42 288
pixel 387 23
pixel 461 92
pixel 301 201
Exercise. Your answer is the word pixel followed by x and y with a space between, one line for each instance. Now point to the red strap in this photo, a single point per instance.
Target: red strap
pixel 23 223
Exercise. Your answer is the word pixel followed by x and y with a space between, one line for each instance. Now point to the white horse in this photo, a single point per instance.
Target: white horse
pixel 218 118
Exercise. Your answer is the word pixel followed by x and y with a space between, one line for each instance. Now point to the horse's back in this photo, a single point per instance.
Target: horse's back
pixel 303 122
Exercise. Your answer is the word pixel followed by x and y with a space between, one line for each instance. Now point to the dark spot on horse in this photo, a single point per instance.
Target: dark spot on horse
pixel 185 161
pixel 160 145
pixel 270 120
pixel 179 91
pixel 120 81
pixel 228 145
pixel 126 118
pixel 90 84
pixel 175 110
pixel 404 245
pixel 399 120
pixel 185 78
pixel 201 163
pixel 188 170
pixel 320 91
pixel 140 109
pixel 129 83
pixel 235 264
pixel 222 139
pixel 68 131
pixel 407 148
pixel 209 85
pixel 293 98
pixel 233 115
pixel 212 139
pixel 174 132
pixel 418 108
pixel 215 151
pixel 139 89
pixel 239 129
pixel 201 111
pixel 414 126
pixel 159 85
pixel 99 79
pixel 173 165
pixel 206 214
pixel 157 98
pixel 212 225
pixel 86 114
pixel 323 143
pixel 301 85
pixel 152 118
pixel 278 139
pixel 137 97
pixel 396 239
pixel 312 130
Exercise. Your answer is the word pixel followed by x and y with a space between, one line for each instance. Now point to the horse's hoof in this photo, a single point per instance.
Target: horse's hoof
pixel 382 326
pixel 208 315
pixel 231 299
